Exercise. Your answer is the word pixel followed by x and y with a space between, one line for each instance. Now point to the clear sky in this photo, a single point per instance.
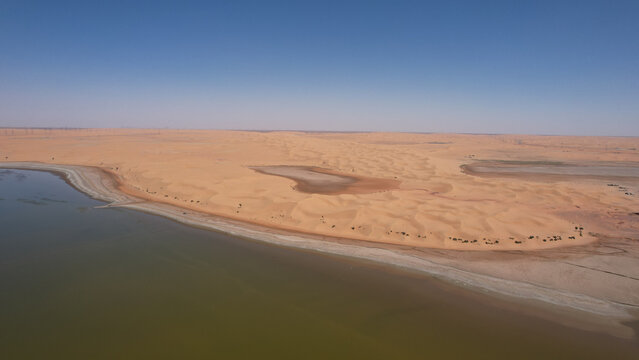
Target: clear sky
pixel 556 67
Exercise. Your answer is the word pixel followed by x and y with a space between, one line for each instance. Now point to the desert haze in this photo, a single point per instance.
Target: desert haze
pixel 566 208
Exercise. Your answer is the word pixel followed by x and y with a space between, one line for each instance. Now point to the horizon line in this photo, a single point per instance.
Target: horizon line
pixel 301 131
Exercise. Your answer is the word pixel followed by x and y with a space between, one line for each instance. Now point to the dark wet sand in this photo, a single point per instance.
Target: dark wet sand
pixel 317 180
pixel 548 170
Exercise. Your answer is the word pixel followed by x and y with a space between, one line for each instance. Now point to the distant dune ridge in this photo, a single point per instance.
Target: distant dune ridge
pixel 570 205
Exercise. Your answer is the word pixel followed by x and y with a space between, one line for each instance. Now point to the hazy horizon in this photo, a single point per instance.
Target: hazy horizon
pixel 299 130
pixel 547 68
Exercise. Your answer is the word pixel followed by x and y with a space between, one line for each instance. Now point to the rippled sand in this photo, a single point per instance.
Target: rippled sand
pixel 416 192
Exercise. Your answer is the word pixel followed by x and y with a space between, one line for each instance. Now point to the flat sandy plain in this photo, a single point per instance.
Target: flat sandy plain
pixel 547 218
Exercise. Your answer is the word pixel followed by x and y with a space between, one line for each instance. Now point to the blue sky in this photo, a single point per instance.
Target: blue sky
pixel 556 67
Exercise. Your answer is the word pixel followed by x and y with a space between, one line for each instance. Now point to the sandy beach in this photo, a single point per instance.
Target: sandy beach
pixel 544 230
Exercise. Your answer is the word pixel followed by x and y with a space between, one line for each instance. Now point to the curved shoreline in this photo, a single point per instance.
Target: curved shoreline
pixel 103 186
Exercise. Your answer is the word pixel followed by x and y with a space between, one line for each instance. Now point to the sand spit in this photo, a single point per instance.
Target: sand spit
pixel 600 279
pixel 314 180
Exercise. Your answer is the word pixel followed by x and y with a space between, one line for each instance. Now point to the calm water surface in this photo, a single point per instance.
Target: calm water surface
pixel 78 282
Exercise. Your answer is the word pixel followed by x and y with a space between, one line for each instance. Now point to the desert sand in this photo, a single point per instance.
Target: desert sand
pixel 548 218
pixel 423 197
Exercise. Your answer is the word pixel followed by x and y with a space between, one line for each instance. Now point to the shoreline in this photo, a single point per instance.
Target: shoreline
pixel 447 265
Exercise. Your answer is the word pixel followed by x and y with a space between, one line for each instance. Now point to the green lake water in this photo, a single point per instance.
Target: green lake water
pixel 78 282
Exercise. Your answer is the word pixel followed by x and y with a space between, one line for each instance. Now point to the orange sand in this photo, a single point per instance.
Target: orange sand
pixel 435 204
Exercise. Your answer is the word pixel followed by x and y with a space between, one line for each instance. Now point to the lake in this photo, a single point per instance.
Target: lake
pixel 80 282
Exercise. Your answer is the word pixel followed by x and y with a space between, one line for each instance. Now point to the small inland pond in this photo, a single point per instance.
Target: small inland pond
pixel 80 282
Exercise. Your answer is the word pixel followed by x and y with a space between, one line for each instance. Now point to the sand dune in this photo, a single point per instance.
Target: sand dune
pixel 417 193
